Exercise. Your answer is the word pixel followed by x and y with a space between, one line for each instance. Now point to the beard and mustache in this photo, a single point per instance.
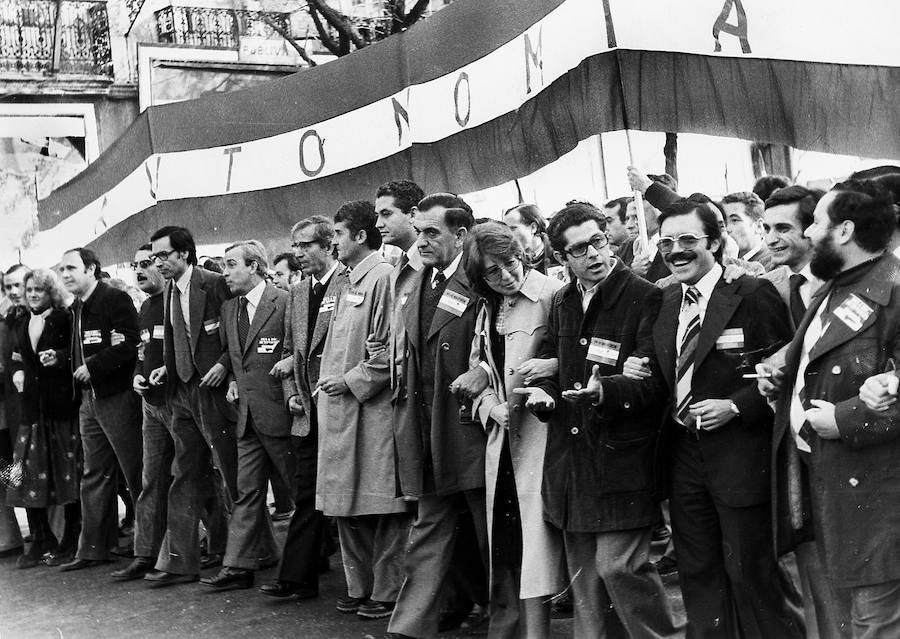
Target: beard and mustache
pixel 826 262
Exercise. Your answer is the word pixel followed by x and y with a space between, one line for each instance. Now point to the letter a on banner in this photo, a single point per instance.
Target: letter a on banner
pixel 738 30
pixel 534 57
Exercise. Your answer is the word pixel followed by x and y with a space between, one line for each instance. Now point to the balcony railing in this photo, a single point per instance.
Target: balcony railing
pixel 54 37
pixel 221 28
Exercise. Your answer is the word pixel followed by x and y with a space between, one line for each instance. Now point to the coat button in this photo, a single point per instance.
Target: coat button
pixel 445 346
pixel 836 370
pixel 510 371
pixel 574 430
pixel 577 385
pixel 583 341
pixel 627 405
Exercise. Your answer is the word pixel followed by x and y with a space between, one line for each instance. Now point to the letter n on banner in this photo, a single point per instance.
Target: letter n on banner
pixel 738 30
pixel 400 116
pixel 534 58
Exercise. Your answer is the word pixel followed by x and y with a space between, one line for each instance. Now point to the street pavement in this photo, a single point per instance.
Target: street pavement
pixel 43 602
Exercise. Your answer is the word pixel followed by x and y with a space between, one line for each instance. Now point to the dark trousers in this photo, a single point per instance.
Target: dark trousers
pixel 307 529
pixel 150 507
pixel 202 437
pixel 110 438
pixel 731 582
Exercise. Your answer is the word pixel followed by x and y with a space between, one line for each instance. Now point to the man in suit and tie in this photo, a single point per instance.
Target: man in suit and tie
pixel 201 419
pixel 252 327
pixel 850 503
pixel 306 326
pixel 720 433
pixel 744 222
pixel 440 446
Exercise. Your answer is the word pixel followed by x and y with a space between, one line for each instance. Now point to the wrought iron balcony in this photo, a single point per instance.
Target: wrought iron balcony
pixel 220 28
pixel 49 37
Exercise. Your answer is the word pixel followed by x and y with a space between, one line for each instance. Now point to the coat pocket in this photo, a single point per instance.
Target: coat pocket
pixel 627 464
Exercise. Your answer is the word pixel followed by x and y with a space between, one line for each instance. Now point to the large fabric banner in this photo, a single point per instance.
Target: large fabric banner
pixel 483 92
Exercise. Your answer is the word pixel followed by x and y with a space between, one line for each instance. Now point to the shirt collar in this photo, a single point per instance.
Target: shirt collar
pixel 255 294
pixel 807 273
pixel 752 252
pixel 185 279
pixel 450 270
pixel 533 284
pixel 414 258
pixel 327 276
pixel 707 283
pixel 87 296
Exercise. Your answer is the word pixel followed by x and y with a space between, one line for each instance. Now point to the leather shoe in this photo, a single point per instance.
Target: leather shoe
pixel 279 588
pixel 230 579
pixel 139 567
pixel 81 564
pixel 163 578
pixel 210 561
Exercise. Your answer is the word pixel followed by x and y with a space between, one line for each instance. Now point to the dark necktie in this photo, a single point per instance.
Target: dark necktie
pixel 243 323
pixel 317 290
pixel 78 354
pixel 797 307
pixel 404 260
pixel 439 279
pixel 184 364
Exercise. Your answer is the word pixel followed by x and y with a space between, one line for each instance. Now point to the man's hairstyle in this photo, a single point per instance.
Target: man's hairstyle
pixel 213 264
pixel 666 180
pixel 569 216
pixel 180 239
pixel 89 258
pixel 253 251
pixel 530 214
pixel 622 203
pixel 15 267
pixel 359 215
pixel 490 238
pixel 406 194
pixel 293 263
pixel 768 184
pixel 887 177
pixel 707 217
pixel 458 214
pixel 869 207
pixel 753 206
pixel 145 247
pixel 805 199
pixel 323 229
pixel 46 280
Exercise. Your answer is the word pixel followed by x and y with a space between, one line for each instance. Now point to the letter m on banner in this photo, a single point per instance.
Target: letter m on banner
pixel 534 60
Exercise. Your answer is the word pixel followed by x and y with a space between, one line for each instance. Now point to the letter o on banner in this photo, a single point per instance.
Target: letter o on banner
pixel 462 120
pixel 321 147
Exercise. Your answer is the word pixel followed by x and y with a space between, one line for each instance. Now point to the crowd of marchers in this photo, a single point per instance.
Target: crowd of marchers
pixel 489 416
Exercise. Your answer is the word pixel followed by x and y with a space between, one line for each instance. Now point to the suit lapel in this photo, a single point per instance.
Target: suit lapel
pixel 261 316
pixel 719 310
pixel 664 331
pixel 458 284
pixel 301 317
pixel 334 288
pixel 413 305
pixel 197 304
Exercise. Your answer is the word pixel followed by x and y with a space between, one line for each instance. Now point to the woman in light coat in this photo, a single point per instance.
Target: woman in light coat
pixel 526 553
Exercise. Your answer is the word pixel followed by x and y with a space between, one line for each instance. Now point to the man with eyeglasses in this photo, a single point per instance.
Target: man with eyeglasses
pixel 203 424
pixel 718 431
pixel 598 486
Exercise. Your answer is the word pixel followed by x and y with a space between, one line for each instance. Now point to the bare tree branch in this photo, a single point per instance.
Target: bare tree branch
pixel 287 36
pixel 324 36
pixel 415 14
pixel 340 22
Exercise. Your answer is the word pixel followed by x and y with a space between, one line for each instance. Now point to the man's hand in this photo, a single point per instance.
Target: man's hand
pixel 231 395
pixel 333 385
pixel 769 381
pixel 18 380
pixel 82 374
pixel 215 376
pixel 592 391
pixel 712 413
pixel 641 263
pixel 879 392
pixel 157 376
pixel 295 406
pixel 733 272
pixel 636 368
pixel 535 368
pixel 471 383
pixel 500 414
pixel 374 347
pixel 48 358
pixel 139 384
pixel 638 180
pixel 821 418
pixel 283 369
pixel 537 398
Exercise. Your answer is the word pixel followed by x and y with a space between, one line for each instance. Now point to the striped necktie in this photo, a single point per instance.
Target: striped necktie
pixel 684 371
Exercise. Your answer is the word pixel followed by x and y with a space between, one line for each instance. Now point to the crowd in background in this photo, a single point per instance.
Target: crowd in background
pixel 485 417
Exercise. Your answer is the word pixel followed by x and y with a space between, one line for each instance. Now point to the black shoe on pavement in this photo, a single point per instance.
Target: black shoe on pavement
pixel 279 588
pixel 139 567
pixel 370 609
pixel 350 605
pixel 230 579
pixel 210 561
pixel 666 566
pixel 478 617
pixel 81 564
pixel 163 578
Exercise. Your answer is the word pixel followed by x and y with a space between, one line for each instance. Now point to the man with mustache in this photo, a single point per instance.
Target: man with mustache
pixel 719 432
pixel 851 504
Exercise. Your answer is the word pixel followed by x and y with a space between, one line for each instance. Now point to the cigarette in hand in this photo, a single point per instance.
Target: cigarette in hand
pixel 699 422
pixel 756 375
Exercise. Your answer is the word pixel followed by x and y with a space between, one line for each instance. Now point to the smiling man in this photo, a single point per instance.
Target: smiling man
pixel 707 332
pixel 744 222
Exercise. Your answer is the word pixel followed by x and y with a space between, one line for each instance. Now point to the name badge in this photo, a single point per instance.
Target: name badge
pixel 355 298
pixel 92 337
pixel 604 351
pixel 731 338
pixel 266 345
pixel 327 304
pixel 211 326
pixel 853 312
pixel 453 302
pixel 145 335
pixel 158 331
pixel 403 300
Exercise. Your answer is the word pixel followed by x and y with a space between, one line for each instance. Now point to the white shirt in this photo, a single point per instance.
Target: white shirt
pixel 326 277
pixel 798 413
pixel 749 254
pixel 449 271
pixel 810 285
pixel 587 294
pixel 253 298
pixel 705 287
pixel 183 286
pixel 36 327
pixel 897 252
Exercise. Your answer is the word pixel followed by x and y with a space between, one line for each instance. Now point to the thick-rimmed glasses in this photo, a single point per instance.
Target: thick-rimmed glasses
pixel 135 266
pixel 580 250
pixel 162 256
